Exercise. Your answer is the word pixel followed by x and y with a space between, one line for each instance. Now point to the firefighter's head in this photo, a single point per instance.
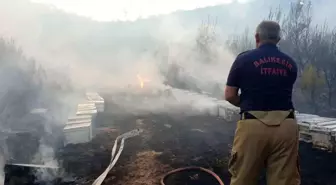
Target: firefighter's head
pixel 267 32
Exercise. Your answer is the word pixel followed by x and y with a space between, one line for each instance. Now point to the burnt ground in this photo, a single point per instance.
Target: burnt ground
pixel 170 142
pixel 167 143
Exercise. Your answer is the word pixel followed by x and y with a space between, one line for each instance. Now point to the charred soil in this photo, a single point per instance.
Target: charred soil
pixel 169 142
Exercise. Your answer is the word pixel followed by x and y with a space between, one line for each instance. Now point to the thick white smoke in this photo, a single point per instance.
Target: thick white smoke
pixel 89 55
pixel 109 56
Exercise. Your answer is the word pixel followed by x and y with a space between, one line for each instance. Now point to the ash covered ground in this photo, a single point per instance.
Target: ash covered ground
pixel 169 141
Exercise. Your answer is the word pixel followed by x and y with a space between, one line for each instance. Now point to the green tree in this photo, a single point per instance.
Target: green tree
pixel 313 47
pixel 310 82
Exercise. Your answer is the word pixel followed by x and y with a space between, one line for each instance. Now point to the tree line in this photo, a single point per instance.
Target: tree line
pixel 312 46
pixel 25 86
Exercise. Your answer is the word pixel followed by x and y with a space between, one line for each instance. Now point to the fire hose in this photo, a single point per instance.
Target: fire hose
pixel 220 182
pixel 114 159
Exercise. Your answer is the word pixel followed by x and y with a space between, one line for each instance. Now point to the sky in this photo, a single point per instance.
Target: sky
pixel 108 10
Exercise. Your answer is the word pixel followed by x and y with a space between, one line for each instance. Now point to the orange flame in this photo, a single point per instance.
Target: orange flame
pixel 142 81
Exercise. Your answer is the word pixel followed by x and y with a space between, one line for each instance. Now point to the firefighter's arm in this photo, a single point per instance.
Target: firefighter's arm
pixel 233 84
pixel 231 95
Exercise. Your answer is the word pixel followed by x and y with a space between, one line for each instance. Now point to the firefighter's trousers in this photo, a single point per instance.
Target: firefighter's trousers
pixel 270 141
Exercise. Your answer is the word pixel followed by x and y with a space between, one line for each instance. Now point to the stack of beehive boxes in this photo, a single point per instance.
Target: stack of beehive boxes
pixel 97 100
pixel 79 126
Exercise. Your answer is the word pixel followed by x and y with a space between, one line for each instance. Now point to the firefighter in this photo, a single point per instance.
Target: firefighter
pixel 267 134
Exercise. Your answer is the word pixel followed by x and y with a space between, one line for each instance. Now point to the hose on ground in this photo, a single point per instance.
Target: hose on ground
pixel 191 168
pixel 114 159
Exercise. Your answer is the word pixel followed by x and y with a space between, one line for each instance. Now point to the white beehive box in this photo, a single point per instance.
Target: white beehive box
pixel 79 119
pixel 78 133
pixel 97 100
pixel 320 131
pixel 87 111
pixel 100 105
pixel 79 127
pixel 86 106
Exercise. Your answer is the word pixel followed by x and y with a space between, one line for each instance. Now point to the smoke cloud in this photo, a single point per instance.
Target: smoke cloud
pixel 63 55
